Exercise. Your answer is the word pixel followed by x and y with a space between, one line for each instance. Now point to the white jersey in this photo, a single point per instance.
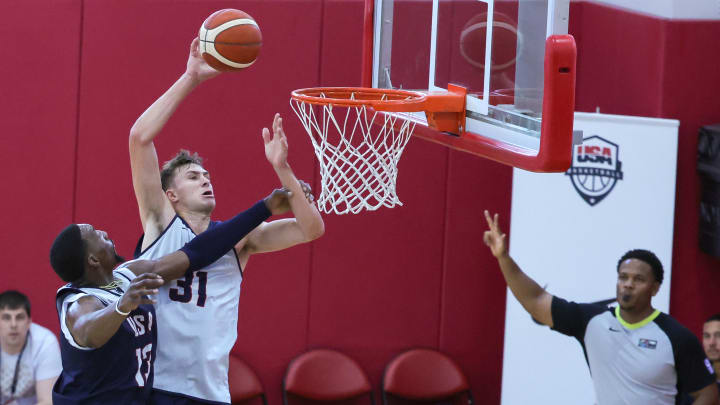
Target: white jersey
pixel 40 360
pixel 197 321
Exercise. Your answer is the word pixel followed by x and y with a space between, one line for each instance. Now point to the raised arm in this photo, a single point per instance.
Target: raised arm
pixel 307 225
pixel 155 210
pixel 533 298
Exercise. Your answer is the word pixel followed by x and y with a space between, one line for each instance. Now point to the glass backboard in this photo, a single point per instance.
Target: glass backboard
pixel 519 74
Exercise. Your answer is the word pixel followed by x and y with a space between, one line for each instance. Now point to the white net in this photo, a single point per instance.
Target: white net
pixel 358 149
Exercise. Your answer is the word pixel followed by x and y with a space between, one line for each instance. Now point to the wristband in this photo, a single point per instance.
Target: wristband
pixel 119 311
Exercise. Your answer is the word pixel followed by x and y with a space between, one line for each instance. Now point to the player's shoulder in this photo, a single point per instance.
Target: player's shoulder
pixel 588 309
pixel 674 329
pixel 157 240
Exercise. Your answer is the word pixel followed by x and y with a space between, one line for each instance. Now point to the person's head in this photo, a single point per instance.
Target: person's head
pixel 640 274
pixel 711 338
pixel 187 184
pixel 79 249
pixel 14 319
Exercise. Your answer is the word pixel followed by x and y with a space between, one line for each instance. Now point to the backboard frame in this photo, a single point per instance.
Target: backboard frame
pixel 552 152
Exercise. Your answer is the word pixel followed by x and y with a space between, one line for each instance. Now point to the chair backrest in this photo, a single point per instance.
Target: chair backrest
pixel 325 375
pixel 424 374
pixel 244 383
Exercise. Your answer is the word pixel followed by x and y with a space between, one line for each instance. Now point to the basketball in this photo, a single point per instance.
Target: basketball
pixel 230 40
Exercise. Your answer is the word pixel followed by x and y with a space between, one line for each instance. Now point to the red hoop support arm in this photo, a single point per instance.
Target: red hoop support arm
pixel 555 153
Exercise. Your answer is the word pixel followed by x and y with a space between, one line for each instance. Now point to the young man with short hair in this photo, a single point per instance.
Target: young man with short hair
pixel 176 205
pixel 711 343
pixel 30 356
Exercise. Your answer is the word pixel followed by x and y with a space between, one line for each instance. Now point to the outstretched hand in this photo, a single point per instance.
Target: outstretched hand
pixel 276 147
pixel 141 291
pixel 197 68
pixel 493 237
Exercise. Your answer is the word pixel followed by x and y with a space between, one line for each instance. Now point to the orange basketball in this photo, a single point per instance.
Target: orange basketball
pixel 230 40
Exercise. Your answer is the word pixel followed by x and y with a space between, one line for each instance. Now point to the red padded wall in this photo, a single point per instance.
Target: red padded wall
pixel 620 60
pixel 38 115
pixel 473 305
pixel 691 83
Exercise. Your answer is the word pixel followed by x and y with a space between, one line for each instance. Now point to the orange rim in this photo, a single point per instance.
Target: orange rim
pixel 380 99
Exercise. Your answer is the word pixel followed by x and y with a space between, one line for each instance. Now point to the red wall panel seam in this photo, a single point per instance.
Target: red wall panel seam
pixel 77 115
pixel 443 269
pixel 315 168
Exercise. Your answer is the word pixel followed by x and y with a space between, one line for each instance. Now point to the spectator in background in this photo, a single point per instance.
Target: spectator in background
pixel 30 357
pixel 711 343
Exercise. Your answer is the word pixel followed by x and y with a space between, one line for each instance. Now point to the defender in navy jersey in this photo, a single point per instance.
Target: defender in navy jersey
pixel 109 326
pixel 175 205
pixel 636 354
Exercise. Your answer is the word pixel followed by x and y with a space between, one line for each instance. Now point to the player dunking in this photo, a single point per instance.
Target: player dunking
pixel 109 333
pixel 175 205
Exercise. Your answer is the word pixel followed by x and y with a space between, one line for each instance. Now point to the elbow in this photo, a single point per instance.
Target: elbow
pixel 137 136
pixel 316 231
pixel 86 340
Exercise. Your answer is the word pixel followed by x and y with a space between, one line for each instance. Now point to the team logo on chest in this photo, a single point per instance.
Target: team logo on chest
pixel 595 168
pixel 648 344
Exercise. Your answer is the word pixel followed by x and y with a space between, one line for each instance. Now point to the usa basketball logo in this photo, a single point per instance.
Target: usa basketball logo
pixel 596 168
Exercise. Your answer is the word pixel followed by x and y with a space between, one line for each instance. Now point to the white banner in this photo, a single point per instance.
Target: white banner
pixel 568 231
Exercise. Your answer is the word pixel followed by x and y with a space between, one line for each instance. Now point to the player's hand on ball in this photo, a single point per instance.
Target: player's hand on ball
pixel 493 237
pixel 141 291
pixel 276 147
pixel 197 68
pixel 279 201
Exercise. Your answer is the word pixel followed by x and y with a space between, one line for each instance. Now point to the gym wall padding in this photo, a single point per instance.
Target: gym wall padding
pixel 374 284
pixel 38 124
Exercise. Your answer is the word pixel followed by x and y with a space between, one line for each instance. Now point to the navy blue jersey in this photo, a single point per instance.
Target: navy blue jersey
pixel 119 372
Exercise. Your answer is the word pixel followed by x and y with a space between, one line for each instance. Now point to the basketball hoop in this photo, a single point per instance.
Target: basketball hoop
pixel 359 135
pixel 357 146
